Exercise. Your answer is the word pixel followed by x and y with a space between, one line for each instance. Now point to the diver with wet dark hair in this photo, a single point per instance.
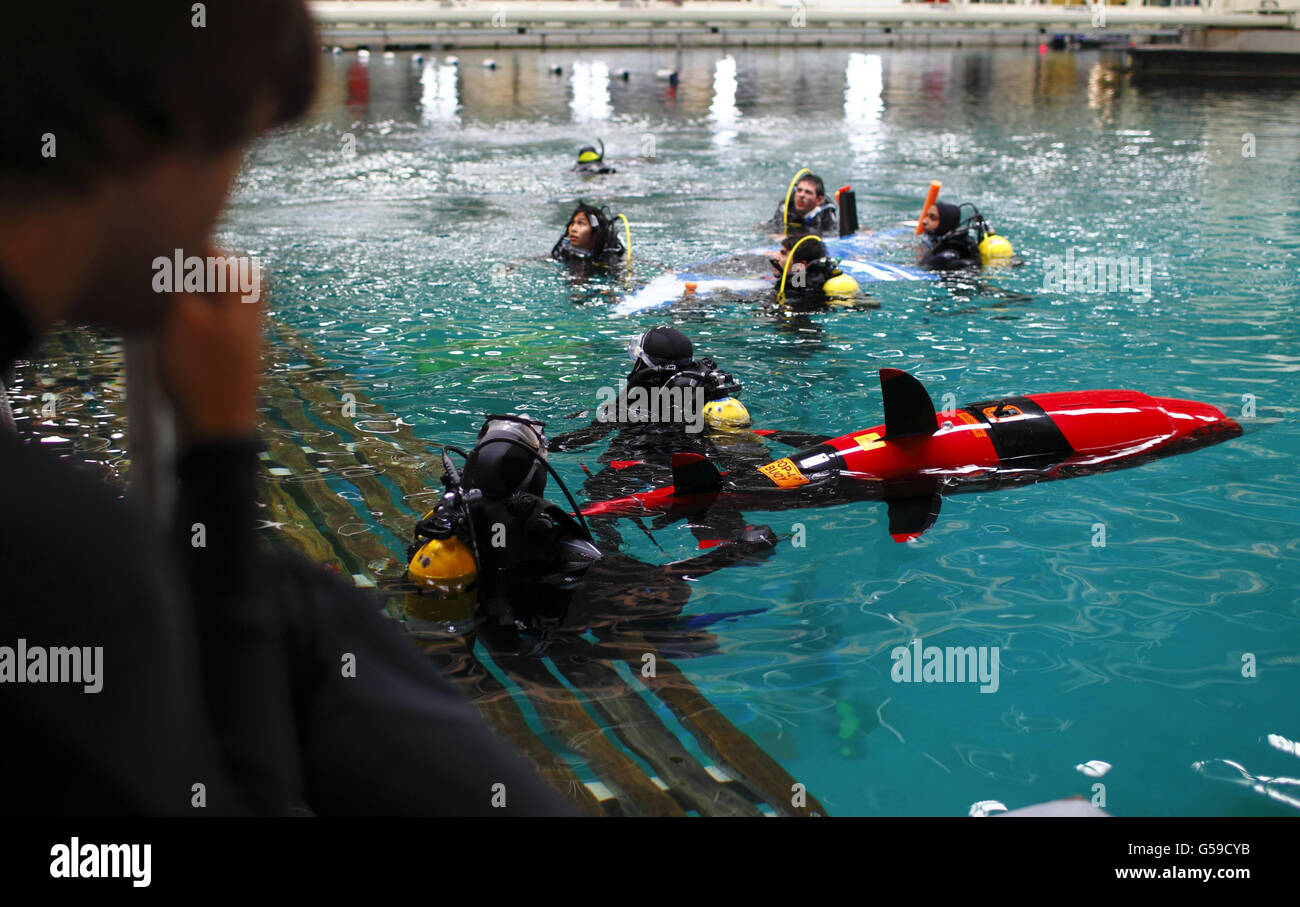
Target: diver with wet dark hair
pixel 806 276
pixel 806 208
pixel 591 239
pixel 954 242
pixel 495 551
pixel 591 161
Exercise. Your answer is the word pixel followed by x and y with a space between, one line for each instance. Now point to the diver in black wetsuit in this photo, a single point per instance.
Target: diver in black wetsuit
pixel 950 246
pixel 663 405
pixel 809 209
pixel 524 564
pixel 812 277
pixel 670 403
pixel 592 162
pixel 590 241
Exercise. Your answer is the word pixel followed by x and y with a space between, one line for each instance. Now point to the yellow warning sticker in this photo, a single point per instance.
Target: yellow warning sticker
pixel 869 441
pixel 783 473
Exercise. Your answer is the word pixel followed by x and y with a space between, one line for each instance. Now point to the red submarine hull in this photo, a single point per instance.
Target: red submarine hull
pixel 919 454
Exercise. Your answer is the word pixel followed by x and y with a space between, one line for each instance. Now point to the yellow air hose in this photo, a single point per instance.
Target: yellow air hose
pixel 780 294
pixel 627 232
pixel 785 209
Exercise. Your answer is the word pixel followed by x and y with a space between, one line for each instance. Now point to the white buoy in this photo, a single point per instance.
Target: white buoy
pixel 489 64
pixel 1094 769
pixel 336 50
pixel 363 54
pixel 451 61
pixel 389 55
pixel 664 74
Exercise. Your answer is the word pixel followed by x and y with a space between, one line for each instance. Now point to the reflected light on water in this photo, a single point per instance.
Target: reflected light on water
pixel 723 111
pixel 440 99
pixel 864 105
pixel 590 91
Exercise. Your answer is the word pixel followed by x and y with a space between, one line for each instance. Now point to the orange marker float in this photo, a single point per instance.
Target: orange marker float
pixel 930 198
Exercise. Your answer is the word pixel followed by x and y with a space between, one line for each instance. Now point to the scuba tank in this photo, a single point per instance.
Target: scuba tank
pixel 529 556
pixel 991 246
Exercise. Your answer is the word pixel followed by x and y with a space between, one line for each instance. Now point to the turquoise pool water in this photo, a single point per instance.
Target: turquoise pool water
pixel 407 222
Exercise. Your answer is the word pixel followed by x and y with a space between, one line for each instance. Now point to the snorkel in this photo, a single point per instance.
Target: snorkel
pixel 930 198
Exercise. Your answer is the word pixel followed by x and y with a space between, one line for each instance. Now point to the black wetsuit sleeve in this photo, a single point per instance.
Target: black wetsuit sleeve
pixel 797 439
pixel 241 633
pixel 580 437
pixel 749 546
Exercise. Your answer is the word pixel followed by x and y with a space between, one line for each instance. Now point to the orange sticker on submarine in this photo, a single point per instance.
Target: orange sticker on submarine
pixel 869 441
pixel 968 419
pixel 783 473
pixel 1002 411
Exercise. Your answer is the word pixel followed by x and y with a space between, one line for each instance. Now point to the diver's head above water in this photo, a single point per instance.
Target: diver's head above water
pixel 663 358
pixel 586 228
pixel 661 347
pixel 590 237
pixel 809 193
pixel 804 252
pixel 508 457
pixel 941 218
pixel 592 161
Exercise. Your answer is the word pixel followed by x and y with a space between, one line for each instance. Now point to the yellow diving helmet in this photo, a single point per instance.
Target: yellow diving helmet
pixel 994 248
pixel 726 414
pixel 841 287
pixel 443 570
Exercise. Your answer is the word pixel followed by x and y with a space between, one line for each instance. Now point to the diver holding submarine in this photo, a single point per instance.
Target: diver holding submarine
pixel 669 403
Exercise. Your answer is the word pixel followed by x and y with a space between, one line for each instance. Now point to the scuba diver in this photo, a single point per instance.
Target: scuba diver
pixel 494 551
pixel 669 403
pixel 806 277
pixel 806 208
pixel 591 161
pixel 668 392
pixel 591 240
pixel 953 242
